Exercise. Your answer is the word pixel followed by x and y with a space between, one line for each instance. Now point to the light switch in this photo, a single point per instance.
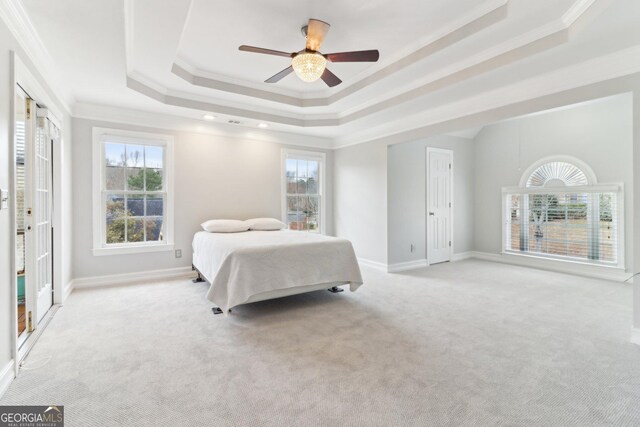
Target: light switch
pixel 4 199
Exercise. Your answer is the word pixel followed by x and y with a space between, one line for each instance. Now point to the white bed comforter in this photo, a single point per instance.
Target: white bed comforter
pixel 240 265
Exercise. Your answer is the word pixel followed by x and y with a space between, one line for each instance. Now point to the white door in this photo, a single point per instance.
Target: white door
pixel 439 168
pixel 38 218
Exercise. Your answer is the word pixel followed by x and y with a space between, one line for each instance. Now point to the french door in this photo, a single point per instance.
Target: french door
pixel 41 214
pixel 35 212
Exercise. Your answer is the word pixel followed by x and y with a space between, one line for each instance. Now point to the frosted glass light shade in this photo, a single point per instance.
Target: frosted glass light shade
pixel 309 66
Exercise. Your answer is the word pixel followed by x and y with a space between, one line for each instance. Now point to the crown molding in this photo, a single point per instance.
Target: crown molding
pixel 607 75
pixel 178 123
pixel 181 101
pixel 572 84
pixel 483 16
pixel 576 11
pixel 128 35
pixel 19 24
pixel 537 40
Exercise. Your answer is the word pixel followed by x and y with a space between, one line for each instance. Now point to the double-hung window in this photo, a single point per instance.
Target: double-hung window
pixel 560 212
pixel 132 194
pixel 303 190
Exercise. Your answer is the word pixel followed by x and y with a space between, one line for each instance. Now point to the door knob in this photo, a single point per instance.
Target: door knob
pixel 431 214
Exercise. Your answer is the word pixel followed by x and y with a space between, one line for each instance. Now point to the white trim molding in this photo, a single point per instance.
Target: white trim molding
pixel 317 156
pixel 373 264
pixel 448 152
pixel 635 336
pixel 17 20
pixel 558 266
pixel 166 141
pixel 68 289
pixel 131 278
pixel 406 266
pixel 461 256
pixel 7 374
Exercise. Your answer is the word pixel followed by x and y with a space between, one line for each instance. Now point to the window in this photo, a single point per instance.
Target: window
pixel 303 190
pixel 132 200
pixel 560 212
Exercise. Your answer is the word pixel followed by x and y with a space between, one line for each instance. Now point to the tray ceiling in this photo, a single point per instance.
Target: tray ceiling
pixel 182 58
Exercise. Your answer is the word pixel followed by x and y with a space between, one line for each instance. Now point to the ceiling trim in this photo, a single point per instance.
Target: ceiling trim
pixel 180 69
pixel 539 39
pixel 576 11
pixel 619 65
pixel 476 20
pixel 179 101
pixel 600 77
pixel 16 19
pixel 128 35
pixel 174 122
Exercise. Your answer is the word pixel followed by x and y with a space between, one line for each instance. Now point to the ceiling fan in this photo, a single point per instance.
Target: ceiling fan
pixel 310 64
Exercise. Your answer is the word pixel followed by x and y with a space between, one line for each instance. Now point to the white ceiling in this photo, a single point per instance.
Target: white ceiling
pixel 180 58
pixel 355 25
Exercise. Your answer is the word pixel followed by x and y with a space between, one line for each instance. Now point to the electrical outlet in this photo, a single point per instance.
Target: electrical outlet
pixel 178 253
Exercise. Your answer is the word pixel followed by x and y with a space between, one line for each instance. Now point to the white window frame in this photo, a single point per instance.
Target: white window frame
pixel 100 247
pixel 305 155
pixel 617 188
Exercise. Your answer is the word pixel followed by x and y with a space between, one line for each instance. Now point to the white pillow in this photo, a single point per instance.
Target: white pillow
pixel 265 224
pixel 224 226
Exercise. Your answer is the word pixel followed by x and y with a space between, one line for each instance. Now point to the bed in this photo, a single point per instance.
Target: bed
pixel 254 266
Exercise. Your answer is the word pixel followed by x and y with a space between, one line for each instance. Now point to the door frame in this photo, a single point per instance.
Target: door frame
pixel 430 150
pixel 21 75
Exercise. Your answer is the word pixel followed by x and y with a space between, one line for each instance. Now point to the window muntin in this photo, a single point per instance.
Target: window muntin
pixel 558 215
pixel 134 194
pixel 132 200
pixel 303 190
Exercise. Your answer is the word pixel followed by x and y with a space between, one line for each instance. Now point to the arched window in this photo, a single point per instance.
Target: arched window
pixel 557 174
pixel 559 211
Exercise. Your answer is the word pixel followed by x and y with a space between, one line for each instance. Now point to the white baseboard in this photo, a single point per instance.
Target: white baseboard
pixel 129 278
pixel 7 374
pixel 461 256
pixel 67 291
pixel 595 271
pixel 408 265
pixel 373 264
pixel 635 336
pixel 405 266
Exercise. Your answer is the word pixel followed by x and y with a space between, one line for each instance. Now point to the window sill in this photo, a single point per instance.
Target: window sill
pixel 122 250
pixel 536 259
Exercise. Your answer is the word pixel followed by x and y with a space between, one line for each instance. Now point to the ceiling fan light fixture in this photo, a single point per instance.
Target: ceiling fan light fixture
pixel 309 66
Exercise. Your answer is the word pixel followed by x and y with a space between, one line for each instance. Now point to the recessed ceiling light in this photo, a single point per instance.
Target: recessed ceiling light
pixel 209 117
pixel 263 125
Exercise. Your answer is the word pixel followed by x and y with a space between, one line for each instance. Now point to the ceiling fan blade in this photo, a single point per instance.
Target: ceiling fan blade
pixel 357 56
pixel 279 76
pixel 254 49
pixel 329 78
pixel 316 31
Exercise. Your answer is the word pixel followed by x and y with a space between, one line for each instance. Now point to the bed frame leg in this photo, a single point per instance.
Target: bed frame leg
pixel 198 279
pixel 335 290
pixel 217 310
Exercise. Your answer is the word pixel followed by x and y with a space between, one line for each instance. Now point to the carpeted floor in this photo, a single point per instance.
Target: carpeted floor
pixel 467 343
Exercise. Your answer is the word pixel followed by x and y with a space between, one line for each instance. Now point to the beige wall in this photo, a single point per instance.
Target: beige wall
pixel 215 177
